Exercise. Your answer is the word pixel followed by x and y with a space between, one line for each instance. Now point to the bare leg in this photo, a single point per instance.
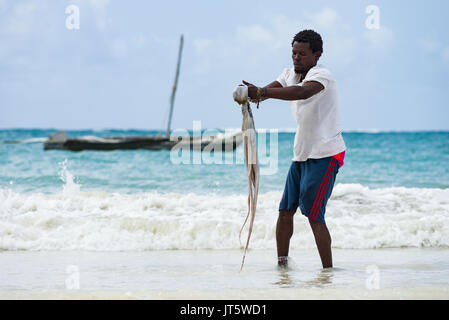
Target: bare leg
pixel 323 242
pixel 284 231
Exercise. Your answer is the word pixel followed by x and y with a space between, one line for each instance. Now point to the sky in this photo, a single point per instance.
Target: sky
pixel 116 68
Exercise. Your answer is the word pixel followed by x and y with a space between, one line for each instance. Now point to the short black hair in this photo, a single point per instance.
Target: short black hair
pixel 312 38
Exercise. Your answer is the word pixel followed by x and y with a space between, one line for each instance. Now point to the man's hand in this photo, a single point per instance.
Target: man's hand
pixel 252 92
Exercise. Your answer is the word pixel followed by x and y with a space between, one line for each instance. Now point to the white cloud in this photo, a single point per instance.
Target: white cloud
pixel 261 42
pixel 445 55
pixel 121 47
pixel 202 45
pixel 2 5
pixel 379 39
pixel 428 44
pixel 255 34
pixel 325 20
pixel 4 51
pixel 339 41
pixel 99 4
pixel 284 29
pixel 433 47
pixel 139 40
pixel 21 19
pixel 249 43
pixel 99 10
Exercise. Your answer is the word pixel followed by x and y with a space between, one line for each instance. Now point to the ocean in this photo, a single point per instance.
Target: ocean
pixel 157 225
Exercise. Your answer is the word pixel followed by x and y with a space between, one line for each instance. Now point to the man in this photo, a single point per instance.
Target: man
pixel 318 148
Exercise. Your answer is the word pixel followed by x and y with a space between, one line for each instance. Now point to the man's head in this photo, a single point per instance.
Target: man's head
pixel 307 47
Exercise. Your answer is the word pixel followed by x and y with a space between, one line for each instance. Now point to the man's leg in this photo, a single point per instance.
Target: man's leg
pixel 323 242
pixel 284 231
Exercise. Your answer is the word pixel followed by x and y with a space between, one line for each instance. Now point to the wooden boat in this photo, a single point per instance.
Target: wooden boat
pixel 60 141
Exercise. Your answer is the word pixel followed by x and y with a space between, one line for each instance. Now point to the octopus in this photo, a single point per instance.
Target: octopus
pixel 252 166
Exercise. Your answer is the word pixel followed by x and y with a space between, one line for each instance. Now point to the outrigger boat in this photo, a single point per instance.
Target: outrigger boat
pixel 60 141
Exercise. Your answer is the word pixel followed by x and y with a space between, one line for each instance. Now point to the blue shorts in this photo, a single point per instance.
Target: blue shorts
pixel 309 185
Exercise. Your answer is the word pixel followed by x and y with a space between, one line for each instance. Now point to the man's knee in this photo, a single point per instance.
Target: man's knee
pixel 315 224
pixel 286 214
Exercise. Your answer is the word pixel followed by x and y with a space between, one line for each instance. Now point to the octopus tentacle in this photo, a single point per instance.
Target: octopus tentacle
pixel 252 169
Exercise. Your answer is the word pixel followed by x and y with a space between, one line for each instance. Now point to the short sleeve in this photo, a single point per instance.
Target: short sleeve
pixel 282 79
pixel 321 75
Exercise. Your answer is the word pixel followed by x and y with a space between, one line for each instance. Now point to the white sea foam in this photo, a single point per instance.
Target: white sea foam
pixel 357 217
pixel 70 186
pixel 31 140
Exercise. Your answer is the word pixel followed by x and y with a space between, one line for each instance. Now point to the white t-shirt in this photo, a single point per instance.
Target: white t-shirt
pixel 319 129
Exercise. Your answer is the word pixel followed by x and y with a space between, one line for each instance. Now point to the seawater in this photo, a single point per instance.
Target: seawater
pixel 392 192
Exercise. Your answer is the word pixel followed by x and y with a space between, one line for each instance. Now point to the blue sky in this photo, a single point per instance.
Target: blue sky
pixel 117 69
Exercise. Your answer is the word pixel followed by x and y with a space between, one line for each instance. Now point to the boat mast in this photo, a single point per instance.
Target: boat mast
pixel 172 98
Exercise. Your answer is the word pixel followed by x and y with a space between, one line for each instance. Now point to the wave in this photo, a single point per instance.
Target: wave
pixel 31 140
pixel 357 217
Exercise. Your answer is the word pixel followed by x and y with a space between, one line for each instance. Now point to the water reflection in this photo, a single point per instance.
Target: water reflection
pixel 285 281
pixel 287 278
pixel 323 278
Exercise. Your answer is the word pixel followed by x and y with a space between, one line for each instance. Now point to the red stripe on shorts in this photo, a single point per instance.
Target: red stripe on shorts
pixel 326 181
pixel 319 190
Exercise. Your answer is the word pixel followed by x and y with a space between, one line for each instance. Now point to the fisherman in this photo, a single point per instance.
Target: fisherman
pixel 318 149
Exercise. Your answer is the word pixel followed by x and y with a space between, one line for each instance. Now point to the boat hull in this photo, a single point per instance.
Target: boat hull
pixel 229 143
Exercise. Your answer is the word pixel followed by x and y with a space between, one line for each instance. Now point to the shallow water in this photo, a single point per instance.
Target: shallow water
pixel 218 270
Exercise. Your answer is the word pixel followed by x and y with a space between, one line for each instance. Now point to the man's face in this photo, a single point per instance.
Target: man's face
pixel 303 57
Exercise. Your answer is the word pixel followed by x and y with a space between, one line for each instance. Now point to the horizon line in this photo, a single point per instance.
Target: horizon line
pixel 283 130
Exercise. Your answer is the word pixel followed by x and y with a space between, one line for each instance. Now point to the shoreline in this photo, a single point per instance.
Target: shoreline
pixel 424 293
